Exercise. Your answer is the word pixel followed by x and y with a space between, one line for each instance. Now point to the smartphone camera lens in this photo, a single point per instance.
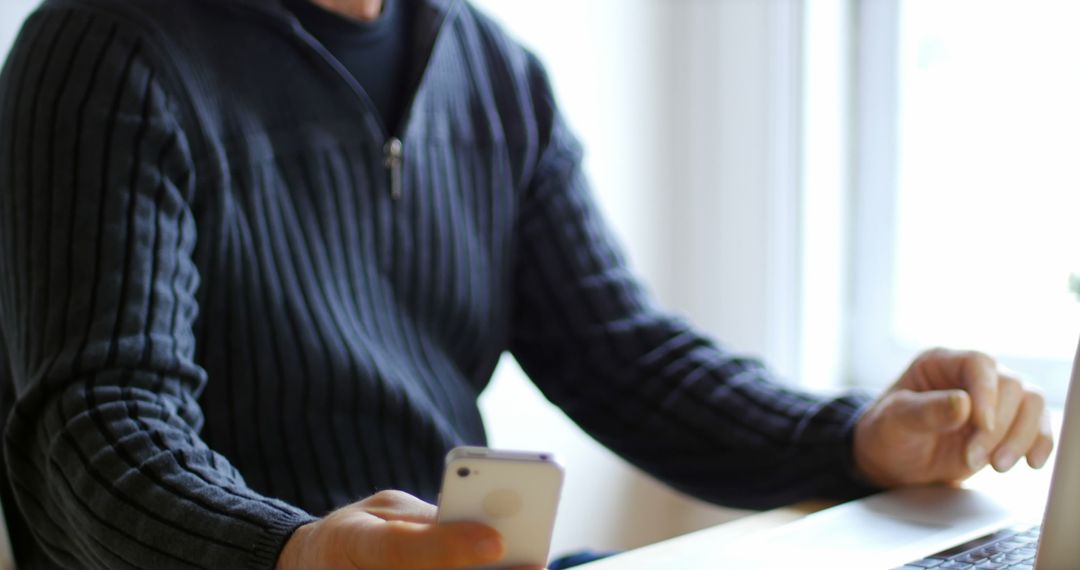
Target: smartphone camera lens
pixel 463 472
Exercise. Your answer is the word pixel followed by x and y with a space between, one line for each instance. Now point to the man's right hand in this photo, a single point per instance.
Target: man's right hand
pixel 390 530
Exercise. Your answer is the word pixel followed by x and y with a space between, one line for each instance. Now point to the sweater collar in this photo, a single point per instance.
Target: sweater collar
pixel 278 6
pixel 432 17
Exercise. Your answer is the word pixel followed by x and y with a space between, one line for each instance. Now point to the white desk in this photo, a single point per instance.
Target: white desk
pixel 894 528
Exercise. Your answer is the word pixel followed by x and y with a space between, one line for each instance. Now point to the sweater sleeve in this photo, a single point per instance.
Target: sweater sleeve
pixel 645 384
pixel 97 301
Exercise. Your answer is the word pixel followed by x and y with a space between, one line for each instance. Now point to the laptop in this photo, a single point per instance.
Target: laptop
pixel 994 525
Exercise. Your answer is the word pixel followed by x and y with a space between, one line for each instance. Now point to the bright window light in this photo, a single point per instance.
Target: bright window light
pixel 988 200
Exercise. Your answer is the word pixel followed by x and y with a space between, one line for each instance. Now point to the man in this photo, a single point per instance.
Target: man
pixel 259 260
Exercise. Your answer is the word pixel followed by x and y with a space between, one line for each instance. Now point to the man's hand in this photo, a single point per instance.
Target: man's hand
pixel 948 416
pixel 390 530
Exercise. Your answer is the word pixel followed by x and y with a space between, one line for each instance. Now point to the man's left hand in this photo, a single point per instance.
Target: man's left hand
pixel 949 415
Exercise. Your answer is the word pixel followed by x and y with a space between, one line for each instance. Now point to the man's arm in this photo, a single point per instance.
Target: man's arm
pixel 645 384
pixel 712 423
pixel 97 297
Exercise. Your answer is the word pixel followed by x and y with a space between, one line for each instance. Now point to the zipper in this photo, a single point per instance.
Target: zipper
pixel 393 148
pixel 392 153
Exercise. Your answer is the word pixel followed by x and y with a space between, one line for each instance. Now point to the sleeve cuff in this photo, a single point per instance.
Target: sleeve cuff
pixel 268 546
pixel 852 484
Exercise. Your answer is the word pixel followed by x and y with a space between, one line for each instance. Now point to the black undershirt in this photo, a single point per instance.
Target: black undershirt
pixel 376 53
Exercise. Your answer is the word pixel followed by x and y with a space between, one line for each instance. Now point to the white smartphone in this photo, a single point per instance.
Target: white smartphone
pixel 514 492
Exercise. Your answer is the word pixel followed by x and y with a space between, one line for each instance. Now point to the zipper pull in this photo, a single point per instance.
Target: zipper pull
pixel 392 152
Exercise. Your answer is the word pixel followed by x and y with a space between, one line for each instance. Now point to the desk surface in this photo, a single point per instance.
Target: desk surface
pixel 1022 492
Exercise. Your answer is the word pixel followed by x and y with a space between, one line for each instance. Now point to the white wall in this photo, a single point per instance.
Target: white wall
pixel 730 163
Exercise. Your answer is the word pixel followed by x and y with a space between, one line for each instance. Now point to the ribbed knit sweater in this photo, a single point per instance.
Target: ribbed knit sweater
pixel 231 302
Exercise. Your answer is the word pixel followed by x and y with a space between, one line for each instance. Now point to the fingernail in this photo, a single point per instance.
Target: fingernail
pixel 489 548
pixel 1039 460
pixel 1004 459
pixel 990 421
pixel 976 457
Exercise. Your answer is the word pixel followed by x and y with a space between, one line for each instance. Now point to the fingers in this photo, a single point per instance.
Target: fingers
pixel 383 532
pixel 399 506
pixel 1044 443
pixel 406 545
pixel 1007 422
pixel 979 375
pixel 406 538
pixel 975 372
pixel 984 444
pixel 957 412
pixel 931 412
pixel 1022 432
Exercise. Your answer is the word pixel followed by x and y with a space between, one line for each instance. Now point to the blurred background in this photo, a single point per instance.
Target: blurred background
pixel 830 185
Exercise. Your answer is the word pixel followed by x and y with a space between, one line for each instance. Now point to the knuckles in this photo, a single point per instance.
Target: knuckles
pixel 1010 389
pixel 935 353
pixel 981 359
pixel 1034 398
pixel 388 498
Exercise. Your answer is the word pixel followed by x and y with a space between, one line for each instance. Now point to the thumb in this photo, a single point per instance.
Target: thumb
pixel 936 411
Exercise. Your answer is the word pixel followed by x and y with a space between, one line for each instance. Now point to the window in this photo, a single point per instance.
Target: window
pixel 968 183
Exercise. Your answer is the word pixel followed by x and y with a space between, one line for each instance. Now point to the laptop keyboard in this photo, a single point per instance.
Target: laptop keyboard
pixel 1012 549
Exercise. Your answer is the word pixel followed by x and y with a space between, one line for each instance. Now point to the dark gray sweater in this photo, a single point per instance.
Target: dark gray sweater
pixel 229 305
